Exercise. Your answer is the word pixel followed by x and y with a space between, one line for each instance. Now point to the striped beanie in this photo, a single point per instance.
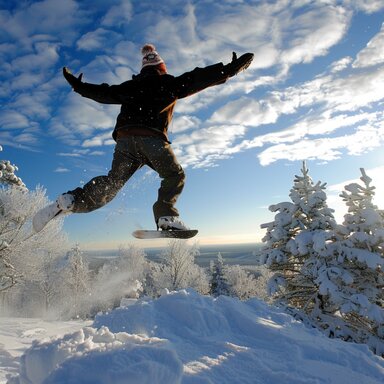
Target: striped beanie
pixel 150 56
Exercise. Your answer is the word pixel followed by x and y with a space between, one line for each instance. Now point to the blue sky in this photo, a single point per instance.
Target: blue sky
pixel 314 92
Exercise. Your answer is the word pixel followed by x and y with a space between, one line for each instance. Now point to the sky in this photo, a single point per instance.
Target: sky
pixel 314 93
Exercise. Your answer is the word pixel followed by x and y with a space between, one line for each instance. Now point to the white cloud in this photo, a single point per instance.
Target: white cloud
pixel 118 15
pixel 184 123
pixel 314 32
pixel 98 141
pixel 35 105
pixel 24 139
pixel 373 53
pixel 61 170
pixel 109 69
pixel 356 90
pixel 327 148
pixel 80 118
pixel 325 124
pixel 202 148
pixel 45 56
pixel 341 64
pixel 25 81
pixel 81 153
pixel 48 16
pixel 246 111
pixel 98 40
pixel 369 6
pixel 10 119
pixel 304 149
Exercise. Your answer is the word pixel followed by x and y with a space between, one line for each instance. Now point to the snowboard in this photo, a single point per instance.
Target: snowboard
pixel 154 234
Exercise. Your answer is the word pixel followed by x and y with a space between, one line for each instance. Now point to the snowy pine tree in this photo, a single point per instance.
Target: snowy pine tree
pixel 331 275
pixel 361 255
pixel 289 249
pixel 276 253
pixel 219 282
pixel 319 228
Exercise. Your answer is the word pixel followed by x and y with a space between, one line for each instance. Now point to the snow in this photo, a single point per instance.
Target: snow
pixel 17 334
pixel 183 337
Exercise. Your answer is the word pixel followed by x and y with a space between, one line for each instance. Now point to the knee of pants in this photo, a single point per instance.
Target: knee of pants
pixel 180 176
pixel 175 172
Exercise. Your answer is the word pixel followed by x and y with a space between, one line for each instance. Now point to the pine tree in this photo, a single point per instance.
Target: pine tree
pixel 330 274
pixel 361 255
pixel 219 283
pixel 289 249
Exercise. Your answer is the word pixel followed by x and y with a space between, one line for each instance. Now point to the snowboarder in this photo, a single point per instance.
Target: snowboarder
pixel 147 103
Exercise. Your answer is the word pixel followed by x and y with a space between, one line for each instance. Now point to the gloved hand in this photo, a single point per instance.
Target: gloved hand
pixel 74 81
pixel 238 64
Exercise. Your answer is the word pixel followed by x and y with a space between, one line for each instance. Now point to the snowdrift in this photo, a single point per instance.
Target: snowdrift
pixel 184 337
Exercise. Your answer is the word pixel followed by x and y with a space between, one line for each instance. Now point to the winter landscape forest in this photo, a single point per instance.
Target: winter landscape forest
pixel 310 312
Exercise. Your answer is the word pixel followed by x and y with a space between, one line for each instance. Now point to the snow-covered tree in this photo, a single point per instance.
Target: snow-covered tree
pixel 178 270
pixel 152 286
pixel 247 282
pixel 22 252
pixel 219 284
pixel 7 173
pixel 133 260
pixel 289 249
pixel 117 279
pixel 276 254
pixel 48 281
pixel 75 278
pixel 360 297
pixel 350 280
pixel 331 273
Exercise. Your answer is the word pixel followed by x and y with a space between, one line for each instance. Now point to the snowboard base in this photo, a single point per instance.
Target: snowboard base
pixel 153 234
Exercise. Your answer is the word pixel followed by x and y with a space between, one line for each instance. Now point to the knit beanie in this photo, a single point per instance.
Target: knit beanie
pixel 150 56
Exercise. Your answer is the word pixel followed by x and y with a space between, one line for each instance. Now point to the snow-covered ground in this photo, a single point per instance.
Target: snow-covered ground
pixel 17 335
pixel 183 337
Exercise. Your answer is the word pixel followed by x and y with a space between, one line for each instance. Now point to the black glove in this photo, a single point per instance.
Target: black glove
pixel 238 64
pixel 73 80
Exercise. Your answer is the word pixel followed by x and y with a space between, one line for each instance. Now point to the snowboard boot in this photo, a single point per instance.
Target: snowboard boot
pixel 171 223
pixel 62 206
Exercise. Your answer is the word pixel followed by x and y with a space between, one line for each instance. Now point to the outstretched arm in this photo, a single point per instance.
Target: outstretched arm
pixel 201 78
pixel 102 93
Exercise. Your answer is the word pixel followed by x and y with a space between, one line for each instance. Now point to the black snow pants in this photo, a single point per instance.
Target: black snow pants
pixel 131 153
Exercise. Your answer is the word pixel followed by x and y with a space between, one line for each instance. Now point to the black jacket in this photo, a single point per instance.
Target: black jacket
pixel 147 101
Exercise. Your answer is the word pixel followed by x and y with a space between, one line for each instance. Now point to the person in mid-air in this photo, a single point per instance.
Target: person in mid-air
pixel 147 103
